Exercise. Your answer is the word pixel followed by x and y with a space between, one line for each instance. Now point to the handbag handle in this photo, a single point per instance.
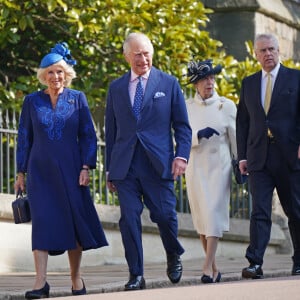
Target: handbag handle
pixel 19 193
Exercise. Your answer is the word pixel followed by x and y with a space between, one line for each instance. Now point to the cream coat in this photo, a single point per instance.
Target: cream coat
pixel 208 175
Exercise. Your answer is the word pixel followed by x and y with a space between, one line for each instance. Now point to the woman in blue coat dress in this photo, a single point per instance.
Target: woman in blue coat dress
pixel 56 148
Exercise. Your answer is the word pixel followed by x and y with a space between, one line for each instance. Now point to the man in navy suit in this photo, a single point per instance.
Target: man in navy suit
pixel 141 160
pixel 268 139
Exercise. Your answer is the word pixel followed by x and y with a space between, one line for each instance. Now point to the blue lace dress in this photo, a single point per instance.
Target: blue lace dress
pixel 53 144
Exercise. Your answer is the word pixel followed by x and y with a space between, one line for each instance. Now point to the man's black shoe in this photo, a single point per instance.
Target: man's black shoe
pixel 296 269
pixel 253 271
pixel 135 283
pixel 174 269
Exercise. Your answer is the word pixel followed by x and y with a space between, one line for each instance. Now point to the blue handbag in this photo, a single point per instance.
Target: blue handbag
pixel 21 209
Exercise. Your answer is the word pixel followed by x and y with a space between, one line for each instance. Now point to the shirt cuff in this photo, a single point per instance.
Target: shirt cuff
pixel 182 158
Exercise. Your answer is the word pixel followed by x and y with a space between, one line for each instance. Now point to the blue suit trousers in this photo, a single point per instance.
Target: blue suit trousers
pixel 143 187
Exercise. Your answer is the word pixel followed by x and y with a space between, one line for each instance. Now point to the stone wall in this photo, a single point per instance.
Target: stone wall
pixel 235 22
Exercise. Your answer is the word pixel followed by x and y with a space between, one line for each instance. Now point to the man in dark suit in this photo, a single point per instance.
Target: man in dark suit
pixel 141 161
pixel 268 139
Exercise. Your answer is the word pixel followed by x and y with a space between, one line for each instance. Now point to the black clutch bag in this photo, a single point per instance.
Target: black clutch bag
pixel 239 178
pixel 21 209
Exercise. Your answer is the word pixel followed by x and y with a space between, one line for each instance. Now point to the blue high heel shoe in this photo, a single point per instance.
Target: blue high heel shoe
pixel 79 292
pixel 38 294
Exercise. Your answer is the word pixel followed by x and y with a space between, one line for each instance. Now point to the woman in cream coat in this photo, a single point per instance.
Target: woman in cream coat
pixel 208 176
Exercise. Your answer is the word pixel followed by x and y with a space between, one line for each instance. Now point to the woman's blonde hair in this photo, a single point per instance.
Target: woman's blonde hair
pixel 68 69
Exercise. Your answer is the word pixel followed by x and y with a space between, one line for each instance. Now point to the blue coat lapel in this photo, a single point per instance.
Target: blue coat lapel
pixel 152 83
pixel 124 89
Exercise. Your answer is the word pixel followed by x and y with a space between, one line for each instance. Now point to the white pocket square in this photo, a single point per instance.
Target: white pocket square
pixel 159 94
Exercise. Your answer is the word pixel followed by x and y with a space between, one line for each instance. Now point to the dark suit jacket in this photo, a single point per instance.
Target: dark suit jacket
pixel 283 119
pixel 163 109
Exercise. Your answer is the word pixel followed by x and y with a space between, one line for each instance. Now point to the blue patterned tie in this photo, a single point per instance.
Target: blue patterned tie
pixel 138 98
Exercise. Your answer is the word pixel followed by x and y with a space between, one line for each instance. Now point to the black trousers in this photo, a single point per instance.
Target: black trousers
pixel 276 174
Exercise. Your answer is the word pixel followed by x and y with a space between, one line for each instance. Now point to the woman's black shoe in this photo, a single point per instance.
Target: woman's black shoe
pixel 79 292
pixel 38 294
pixel 218 278
pixel 206 279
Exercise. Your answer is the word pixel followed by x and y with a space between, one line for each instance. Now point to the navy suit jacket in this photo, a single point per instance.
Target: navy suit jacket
pixel 283 119
pixel 163 119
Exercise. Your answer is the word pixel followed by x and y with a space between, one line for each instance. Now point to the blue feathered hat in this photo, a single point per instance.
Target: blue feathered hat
pixel 59 52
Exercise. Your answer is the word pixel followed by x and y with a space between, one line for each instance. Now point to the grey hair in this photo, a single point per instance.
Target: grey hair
pixel 68 69
pixel 136 36
pixel 267 36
